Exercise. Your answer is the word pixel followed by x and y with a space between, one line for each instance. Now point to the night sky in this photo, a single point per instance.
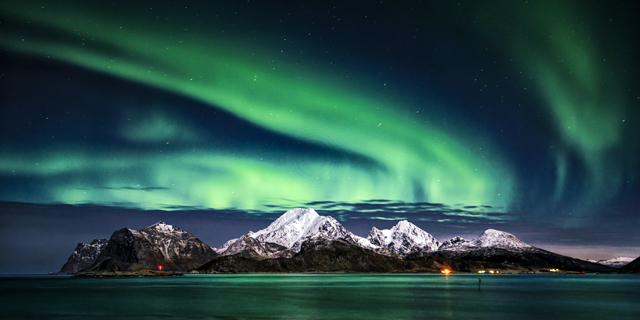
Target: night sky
pixel 218 116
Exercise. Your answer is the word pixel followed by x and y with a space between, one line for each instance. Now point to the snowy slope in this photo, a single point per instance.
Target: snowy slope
pixel 616 262
pixel 489 239
pixel 171 240
pixel 403 239
pixel 158 245
pixel 452 243
pixel 84 255
pixel 297 225
pixel 248 247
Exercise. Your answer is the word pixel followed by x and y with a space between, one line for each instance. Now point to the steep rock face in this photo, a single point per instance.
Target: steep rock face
pixel 178 246
pixel 84 255
pixel 316 255
pixel 323 255
pixel 376 237
pixel 452 243
pixel 147 249
pixel 128 250
pixel 248 247
pixel 404 239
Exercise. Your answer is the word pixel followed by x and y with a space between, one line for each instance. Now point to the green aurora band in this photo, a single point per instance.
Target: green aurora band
pixel 309 102
pixel 294 101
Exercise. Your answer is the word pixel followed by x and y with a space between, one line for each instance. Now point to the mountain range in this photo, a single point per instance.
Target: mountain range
pixel 301 240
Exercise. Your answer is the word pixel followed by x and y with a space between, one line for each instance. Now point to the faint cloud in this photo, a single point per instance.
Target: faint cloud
pixel 134 188
pixel 382 209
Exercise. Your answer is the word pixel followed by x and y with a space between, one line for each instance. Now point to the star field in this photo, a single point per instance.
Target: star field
pixel 455 115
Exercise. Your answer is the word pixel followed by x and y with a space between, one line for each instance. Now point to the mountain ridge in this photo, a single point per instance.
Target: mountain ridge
pixel 302 237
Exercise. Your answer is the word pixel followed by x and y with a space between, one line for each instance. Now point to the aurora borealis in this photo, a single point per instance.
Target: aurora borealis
pixel 520 114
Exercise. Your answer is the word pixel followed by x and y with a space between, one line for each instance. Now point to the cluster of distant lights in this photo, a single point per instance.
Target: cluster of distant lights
pixel 447 271
pixel 490 271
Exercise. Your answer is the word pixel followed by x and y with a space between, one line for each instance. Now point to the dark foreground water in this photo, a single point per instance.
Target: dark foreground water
pixel 326 296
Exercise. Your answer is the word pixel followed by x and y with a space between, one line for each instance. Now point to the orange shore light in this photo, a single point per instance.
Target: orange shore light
pixel 446 271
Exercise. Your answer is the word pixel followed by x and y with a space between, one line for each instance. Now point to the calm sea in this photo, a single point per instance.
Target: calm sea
pixel 325 296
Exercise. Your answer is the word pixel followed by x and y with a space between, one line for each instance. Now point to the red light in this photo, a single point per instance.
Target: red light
pixel 159 267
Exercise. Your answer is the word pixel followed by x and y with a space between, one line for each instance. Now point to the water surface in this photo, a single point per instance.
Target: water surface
pixel 323 296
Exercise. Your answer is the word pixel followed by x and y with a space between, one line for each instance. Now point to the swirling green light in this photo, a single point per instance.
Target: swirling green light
pixel 263 88
pixel 583 91
pixel 564 48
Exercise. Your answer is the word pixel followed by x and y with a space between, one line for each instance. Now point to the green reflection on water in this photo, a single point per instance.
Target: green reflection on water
pixel 324 296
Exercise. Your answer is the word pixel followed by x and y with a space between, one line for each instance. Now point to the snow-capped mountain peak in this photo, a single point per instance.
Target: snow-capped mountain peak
pixel 492 238
pixel 297 225
pixel 162 227
pixel 452 243
pixel 378 238
pixel 403 238
pixel 404 225
pixel 297 219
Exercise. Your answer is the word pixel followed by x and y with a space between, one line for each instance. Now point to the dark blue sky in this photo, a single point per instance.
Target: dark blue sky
pixel 219 116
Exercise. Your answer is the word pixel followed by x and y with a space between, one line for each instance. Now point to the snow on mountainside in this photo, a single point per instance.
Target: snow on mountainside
pixel 294 227
pixel 453 242
pixel 248 247
pixel 631 267
pixel 170 239
pixel 498 239
pixel 84 255
pixel 158 245
pixel 489 239
pixel 616 262
pixel 404 238
pixel 297 225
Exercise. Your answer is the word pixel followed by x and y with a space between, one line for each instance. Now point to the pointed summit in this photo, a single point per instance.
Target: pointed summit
pixel 404 238
pixel 158 245
pixel 295 219
pixel 84 255
pixel 376 237
pixel 163 228
pixel 296 226
pixel 452 243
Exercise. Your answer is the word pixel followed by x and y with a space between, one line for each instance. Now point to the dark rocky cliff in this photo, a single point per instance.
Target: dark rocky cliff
pixel 84 255
pixel 148 249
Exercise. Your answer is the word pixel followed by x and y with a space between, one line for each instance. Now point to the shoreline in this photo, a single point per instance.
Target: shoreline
pixel 119 274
